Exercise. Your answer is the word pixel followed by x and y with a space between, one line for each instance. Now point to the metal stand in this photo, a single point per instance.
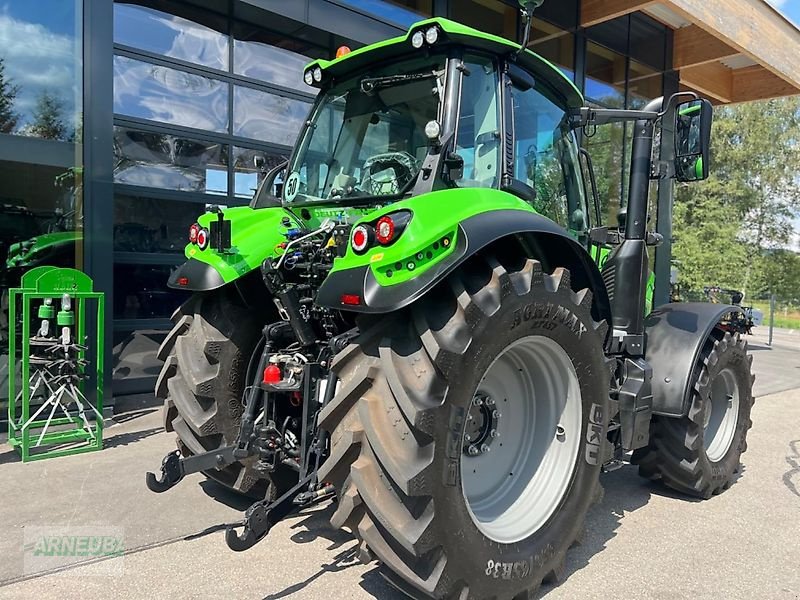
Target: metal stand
pixel 55 366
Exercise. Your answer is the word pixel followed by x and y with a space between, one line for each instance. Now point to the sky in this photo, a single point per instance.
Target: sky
pixel 41 52
pixel 790 8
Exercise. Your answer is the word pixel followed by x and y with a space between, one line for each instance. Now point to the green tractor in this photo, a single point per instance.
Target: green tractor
pixel 416 325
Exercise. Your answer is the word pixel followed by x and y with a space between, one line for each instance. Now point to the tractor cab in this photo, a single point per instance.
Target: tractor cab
pixel 430 111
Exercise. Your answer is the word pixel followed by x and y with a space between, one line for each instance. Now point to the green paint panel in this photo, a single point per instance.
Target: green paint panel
pixel 434 217
pixel 256 233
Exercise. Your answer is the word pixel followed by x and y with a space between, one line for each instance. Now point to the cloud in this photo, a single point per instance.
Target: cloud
pixel 39 60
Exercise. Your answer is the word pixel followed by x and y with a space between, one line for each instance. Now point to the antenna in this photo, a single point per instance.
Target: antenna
pixel 526 8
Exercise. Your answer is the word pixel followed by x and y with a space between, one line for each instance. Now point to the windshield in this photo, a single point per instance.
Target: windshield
pixel 367 137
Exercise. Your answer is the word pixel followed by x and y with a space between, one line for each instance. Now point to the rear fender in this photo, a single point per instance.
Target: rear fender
pixel 674 337
pixel 496 216
pixel 255 235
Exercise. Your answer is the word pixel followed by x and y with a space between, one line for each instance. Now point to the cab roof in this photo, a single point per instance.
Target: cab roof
pixel 452 33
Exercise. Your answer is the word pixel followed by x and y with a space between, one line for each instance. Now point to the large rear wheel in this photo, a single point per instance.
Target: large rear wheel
pixel 467 432
pixel 206 356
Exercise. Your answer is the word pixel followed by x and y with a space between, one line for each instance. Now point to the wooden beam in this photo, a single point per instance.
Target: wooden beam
pixel 597 11
pixel 757 83
pixel 694 46
pixel 753 27
pixel 712 79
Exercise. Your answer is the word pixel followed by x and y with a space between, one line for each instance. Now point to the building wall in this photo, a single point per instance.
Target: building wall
pixel 197 90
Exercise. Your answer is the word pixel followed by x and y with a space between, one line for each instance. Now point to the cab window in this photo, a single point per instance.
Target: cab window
pixel 546 158
pixel 478 133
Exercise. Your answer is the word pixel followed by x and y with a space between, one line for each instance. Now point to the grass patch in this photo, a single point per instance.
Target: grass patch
pixel 788 318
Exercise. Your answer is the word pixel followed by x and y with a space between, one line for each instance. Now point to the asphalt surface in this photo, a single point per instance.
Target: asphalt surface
pixel 642 541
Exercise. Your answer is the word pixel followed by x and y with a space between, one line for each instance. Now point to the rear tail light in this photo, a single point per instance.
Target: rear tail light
pixel 193 231
pixel 384 230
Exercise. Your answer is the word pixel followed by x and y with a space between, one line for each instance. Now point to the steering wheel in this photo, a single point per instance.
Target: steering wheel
pixel 388 173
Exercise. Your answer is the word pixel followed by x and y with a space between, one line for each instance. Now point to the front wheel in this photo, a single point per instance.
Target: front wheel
pixel 699 454
pixel 466 434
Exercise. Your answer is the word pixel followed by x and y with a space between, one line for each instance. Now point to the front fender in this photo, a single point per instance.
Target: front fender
pixel 471 220
pixel 674 337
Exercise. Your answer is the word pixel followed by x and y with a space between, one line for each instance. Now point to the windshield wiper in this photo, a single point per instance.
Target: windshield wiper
pixel 370 84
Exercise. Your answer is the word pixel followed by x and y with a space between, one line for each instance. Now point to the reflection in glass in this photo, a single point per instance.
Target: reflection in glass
pixel 168 162
pixel 41 208
pixel 246 175
pixel 605 76
pixel 267 117
pixel 270 64
pixel 554 44
pixel 495 17
pixel 644 84
pixel 141 292
pixel 400 12
pixel 159 93
pixel 170 35
pixel 40 64
pixel 152 225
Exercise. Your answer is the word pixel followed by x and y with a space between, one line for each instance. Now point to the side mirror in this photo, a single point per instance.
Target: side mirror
pixel 692 140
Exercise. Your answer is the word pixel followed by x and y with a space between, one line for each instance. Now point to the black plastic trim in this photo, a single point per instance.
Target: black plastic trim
pixel 675 334
pixel 202 277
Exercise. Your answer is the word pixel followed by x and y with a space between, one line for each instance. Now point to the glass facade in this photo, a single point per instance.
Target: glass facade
pixel 41 163
pixel 198 96
pixel 197 93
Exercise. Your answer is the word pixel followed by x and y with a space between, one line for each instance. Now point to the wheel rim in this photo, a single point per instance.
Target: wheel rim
pixel 721 416
pixel 521 439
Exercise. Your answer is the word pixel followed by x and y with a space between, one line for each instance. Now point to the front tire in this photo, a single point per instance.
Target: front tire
pixel 699 454
pixel 439 516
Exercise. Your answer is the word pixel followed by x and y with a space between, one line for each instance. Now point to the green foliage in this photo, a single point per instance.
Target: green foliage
pixel 8 93
pixel 48 118
pixel 729 229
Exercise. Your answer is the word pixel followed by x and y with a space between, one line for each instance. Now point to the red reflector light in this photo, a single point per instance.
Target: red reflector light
pixel 272 374
pixel 384 230
pixel 342 51
pixel 350 299
pixel 202 238
pixel 193 231
pixel 183 281
pixel 360 238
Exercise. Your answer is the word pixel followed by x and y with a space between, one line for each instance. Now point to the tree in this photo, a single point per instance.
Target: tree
pixel 48 118
pixel 724 226
pixel 8 93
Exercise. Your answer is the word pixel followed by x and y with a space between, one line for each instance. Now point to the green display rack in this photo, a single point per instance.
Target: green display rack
pixel 80 429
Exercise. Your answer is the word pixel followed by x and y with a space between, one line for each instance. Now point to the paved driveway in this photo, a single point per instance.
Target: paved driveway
pixel 642 542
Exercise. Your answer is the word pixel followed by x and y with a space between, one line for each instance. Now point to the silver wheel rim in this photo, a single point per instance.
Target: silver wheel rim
pixel 722 414
pixel 521 439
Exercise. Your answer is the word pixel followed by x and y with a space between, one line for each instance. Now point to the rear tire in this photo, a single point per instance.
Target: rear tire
pixel 699 454
pixel 206 356
pixel 399 455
